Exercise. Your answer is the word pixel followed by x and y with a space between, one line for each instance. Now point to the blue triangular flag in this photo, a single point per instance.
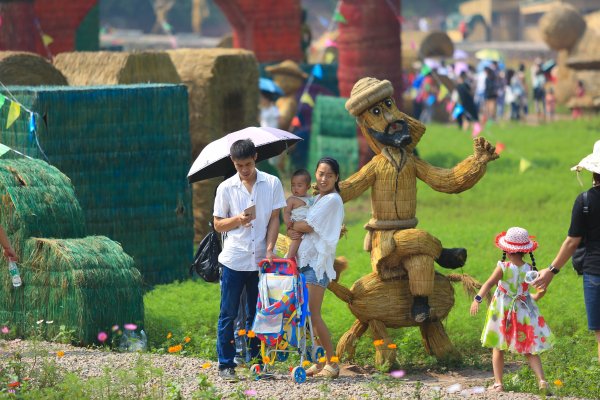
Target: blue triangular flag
pixel 323 21
pixel 31 126
pixel 317 71
pixel 458 110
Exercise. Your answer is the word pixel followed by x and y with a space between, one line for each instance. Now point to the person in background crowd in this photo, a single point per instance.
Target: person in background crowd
pixel 490 94
pixel 577 112
pixel 550 103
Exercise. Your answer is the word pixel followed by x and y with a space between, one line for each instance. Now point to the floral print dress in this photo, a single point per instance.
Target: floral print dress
pixel 513 319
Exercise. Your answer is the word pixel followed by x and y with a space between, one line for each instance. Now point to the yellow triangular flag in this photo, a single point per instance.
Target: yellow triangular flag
pixel 13 113
pixel 524 165
pixel 47 39
pixel 305 98
pixel 329 57
pixel 442 93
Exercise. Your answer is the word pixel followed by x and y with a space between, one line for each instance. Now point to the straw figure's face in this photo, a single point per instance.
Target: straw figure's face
pixel 384 125
pixel 288 83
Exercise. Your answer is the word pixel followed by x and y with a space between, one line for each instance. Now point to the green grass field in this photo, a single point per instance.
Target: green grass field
pixel 539 199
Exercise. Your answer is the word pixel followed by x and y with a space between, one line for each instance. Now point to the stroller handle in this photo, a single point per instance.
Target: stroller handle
pixel 278 263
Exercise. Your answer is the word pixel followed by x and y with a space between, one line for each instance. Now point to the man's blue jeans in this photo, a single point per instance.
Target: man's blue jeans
pixel 232 284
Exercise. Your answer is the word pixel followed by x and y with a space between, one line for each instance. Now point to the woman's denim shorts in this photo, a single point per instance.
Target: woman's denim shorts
pixel 591 293
pixel 311 277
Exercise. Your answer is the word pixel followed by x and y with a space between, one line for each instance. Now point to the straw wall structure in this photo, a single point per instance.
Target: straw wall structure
pixel 223 97
pixel 87 285
pixel 333 134
pixel 436 44
pixel 28 69
pixel 116 68
pixel 127 151
pixel 36 199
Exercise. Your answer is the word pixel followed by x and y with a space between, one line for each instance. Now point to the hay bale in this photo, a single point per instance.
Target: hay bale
pixel 28 69
pixel 37 200
pixel 223 97
pixel 436 44
pixel 580 102
pixel 585 54
pixel 114 68
pixel 562 26
pixel 87 285
pixel 127 151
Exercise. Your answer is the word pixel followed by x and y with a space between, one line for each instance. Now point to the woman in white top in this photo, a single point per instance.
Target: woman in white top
pixel 320 234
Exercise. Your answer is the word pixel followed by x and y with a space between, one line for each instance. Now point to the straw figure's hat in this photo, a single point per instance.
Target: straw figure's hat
pixel 562 26
pixel 436 44
pixel 590 162
pixel 287 67
pixel 516 240
pixel 366 93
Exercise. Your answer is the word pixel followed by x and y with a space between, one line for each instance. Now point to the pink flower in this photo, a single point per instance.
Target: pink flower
pixel 102 336
pixel 5 330
pixel 130 327
pixel 250 392
pixel 115 328
pixel 397 374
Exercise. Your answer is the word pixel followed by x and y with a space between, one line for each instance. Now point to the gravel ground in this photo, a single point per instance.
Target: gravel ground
pixel 353 383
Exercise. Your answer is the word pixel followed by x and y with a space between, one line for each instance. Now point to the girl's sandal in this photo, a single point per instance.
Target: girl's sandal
pixel 545 388
pixel 496 387
pixel 313 370
pixel 330 371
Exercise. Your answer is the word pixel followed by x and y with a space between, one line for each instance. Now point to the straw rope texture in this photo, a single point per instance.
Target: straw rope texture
pixel 223 97
pixel 22 68
pixel 127 151
pixel 333 134
pixel 116 68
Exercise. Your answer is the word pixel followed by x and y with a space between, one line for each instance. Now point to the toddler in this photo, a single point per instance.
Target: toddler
pixel 297 205
pixel 513 319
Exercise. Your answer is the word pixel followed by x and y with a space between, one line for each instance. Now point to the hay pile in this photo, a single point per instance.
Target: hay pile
pixel 585 55
pixel 29 69
pixel 562 26
pixel 223 97
pixel 87 285
pixel 127 151
pixel 37 200
pixel 436 44
pixel 114 68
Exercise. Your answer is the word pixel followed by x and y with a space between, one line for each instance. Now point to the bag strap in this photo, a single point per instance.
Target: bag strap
pixel 586 203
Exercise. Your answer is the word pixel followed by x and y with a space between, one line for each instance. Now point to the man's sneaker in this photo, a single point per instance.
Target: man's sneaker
pixel 239 360
pixel 228 374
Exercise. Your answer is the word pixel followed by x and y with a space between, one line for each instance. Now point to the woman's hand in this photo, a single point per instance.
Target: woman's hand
pixel 294 235
pixel 474 308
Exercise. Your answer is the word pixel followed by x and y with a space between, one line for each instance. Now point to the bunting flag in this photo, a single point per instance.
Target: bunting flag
pixel 413 45
pixel 449 107
pixel 476 129
pixel 329 57
pixel 4 149
pixel 166 26
pixel 500 147
pixel 317 71
pixel 458 110
pixel 330 43
pixel 31 126
pixel 173 41
pixel 2 100
pixel 296 122
pixel 13 113
pixel 306 99
pixel 47 39
pixel 323 21
pixel 442 93
pixel 339 17
pixel 400 19
pixel 425 69
pixel 524 165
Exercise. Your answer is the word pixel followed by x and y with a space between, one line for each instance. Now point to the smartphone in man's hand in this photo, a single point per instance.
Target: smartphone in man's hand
pixel 250 212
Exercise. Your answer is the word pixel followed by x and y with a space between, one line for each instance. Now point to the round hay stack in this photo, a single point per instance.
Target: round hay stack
pixel 116 68
pixel 562 26
pixel 436 44
pixel 28 69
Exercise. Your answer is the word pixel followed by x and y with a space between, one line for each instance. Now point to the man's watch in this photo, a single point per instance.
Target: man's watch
pixel 553 269
pixel 478 298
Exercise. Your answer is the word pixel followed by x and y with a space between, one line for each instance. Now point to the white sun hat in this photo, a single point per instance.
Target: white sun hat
pixel 590 162
pixel 516 240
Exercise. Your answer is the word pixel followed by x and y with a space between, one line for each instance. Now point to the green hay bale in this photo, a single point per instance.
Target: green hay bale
pixel 87 285
pixel 127 151
pixel 36 199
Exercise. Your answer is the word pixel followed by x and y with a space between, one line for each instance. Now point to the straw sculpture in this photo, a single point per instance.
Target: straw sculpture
pixel 289 77
pixel 223 97
pixel 87 285
pixel 562 26
pixel 333 133
pixel 436 44
pixel 127 151
pixel 37 200
pixel 402 254
pixel 28 69
pixel 116 68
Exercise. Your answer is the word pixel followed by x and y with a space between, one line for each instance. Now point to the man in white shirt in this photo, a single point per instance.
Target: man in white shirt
pixel 247 241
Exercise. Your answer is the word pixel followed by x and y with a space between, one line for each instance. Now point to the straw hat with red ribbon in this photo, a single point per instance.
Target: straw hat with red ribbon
pixel 516 240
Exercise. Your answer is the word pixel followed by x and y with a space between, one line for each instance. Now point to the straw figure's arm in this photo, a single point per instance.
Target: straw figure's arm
pixel 287 106
pixel 360 181
pixel 464 175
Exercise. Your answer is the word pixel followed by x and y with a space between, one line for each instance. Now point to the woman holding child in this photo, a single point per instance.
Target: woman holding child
pixel 320 233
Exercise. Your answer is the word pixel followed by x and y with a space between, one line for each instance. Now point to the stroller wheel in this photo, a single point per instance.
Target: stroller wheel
pixel 299 375
pixel 255 371
pixel 282 356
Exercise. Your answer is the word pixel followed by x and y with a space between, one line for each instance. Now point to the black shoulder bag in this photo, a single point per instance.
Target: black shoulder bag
pixel 579 255
pixel 206 260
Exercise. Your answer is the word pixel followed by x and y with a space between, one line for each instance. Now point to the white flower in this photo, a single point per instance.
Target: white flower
pixel 49 322
pixel 40 321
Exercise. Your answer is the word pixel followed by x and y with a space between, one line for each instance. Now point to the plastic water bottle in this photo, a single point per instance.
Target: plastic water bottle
pixel 14 273
pixel 531 276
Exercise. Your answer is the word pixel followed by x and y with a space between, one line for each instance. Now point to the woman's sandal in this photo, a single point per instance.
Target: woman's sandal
pixel 314 370
pixel 496 387
pixel 329 371
pixel 545 388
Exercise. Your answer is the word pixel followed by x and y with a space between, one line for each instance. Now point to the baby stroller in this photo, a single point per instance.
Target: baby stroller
pixel 282 322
